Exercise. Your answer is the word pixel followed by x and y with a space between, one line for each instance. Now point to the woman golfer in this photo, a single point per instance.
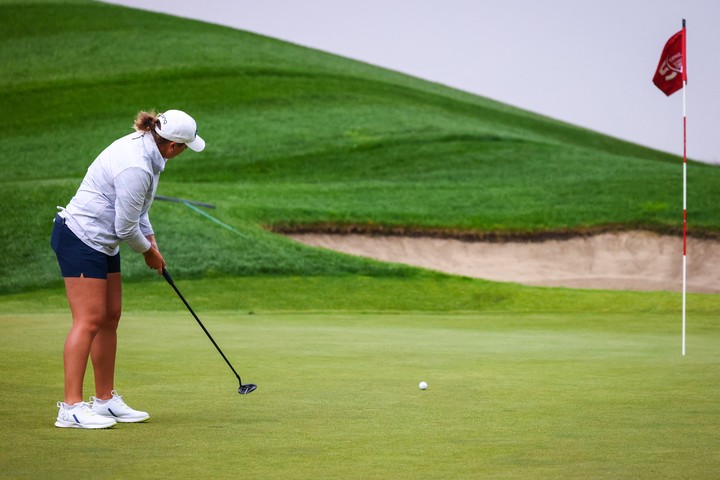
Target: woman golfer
pixel 111 206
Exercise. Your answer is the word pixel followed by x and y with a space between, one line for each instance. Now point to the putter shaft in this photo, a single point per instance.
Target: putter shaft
pixel 244 389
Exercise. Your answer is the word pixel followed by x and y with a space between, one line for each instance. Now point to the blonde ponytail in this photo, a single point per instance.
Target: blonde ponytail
pixel 147 122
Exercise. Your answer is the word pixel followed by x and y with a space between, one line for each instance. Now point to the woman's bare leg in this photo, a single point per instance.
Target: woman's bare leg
pixel 104 346
pixel 88 303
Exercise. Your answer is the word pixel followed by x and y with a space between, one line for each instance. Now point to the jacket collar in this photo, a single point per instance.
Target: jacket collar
pixel 158 162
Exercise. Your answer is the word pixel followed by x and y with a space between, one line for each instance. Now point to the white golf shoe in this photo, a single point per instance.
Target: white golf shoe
pixel 80 415
pixel 116 409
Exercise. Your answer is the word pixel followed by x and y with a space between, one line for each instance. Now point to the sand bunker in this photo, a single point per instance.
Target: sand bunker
pixel 616 261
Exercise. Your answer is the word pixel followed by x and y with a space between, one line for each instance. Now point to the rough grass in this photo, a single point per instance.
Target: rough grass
pixel 295 137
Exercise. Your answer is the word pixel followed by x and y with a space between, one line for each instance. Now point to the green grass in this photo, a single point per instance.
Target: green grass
pixel 534 395
pixel 524 382
pixel 295 137
pixel 431 293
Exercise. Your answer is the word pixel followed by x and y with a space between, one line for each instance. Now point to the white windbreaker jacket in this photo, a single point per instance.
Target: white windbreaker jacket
pixel 112 203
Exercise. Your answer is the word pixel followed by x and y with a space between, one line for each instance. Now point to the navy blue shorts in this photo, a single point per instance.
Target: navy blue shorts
pixel 76 258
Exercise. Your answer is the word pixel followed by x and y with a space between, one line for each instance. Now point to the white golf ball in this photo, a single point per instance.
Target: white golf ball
pixel 423 385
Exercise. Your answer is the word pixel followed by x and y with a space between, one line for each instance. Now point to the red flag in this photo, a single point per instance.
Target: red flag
pixel 672 68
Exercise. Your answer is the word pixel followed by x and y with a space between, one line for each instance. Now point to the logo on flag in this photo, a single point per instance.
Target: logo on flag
pixel 671 70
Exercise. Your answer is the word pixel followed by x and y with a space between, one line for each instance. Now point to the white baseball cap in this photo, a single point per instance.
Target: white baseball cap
pixel 178 126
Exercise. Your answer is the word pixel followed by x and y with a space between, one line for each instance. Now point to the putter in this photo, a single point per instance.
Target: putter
pixel 243 389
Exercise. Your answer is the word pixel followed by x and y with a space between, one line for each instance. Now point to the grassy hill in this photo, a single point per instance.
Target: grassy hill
pixel 524 382
pixel 296 138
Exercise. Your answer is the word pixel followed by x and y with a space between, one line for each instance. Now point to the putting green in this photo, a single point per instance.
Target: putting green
pixel 510 396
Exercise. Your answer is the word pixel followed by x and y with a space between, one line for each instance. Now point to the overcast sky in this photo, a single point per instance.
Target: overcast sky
pixel 587 62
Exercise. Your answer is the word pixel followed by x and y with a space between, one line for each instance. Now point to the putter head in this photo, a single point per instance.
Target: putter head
pixel 248 388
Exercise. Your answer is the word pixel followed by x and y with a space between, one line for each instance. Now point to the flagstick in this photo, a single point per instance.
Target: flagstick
pixel 684 274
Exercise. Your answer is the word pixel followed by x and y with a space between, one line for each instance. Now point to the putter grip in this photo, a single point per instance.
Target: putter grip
pixel 167 276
